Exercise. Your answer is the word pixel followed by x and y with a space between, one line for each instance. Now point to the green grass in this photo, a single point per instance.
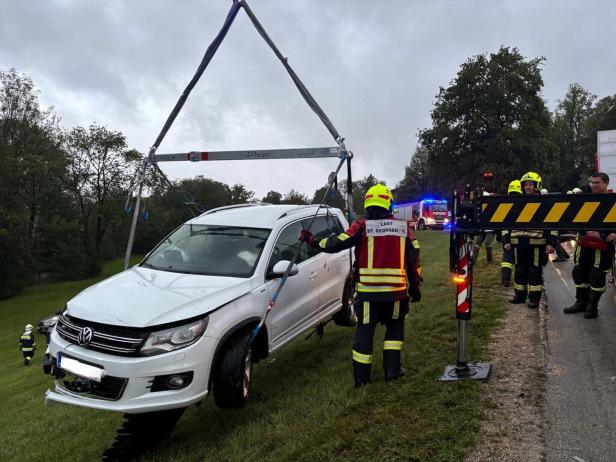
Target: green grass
pixel 303 405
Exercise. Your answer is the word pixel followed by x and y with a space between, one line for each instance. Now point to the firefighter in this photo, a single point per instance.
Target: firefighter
pixel 593 259
pixel 514 189
pixel 387 257
pixel 27 344
pixel 530 249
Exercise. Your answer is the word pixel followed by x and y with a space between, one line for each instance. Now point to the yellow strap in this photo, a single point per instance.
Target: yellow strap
pixel 392 345
pixel 396 310
pixel 536 260
pixel 597 258
pixel 402 250
pixel 383 279
pixel 363 288
pixel 506 264
pixel 518 287
pixel 366 312
pixel 415 243
pixel 535 288
pixel 582 286
pixel 323 243
pixel 360 358
pixel 381 271
pixel 370 252
pixel 343 236
pixel 598 289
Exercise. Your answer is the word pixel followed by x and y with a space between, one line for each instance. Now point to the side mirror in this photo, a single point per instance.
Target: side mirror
pixel 280 267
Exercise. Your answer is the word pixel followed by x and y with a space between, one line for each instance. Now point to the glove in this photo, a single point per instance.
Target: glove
pixel 415 293
pixel 307 236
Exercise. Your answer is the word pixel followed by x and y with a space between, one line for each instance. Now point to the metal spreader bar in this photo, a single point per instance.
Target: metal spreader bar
pixel 259 154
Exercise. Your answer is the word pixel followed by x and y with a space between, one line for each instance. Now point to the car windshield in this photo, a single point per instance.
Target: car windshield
pixel 439 207
pixel 209 250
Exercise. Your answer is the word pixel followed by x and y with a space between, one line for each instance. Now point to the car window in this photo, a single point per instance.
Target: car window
pixel 209 250
pixel 286 245
pixel 323 226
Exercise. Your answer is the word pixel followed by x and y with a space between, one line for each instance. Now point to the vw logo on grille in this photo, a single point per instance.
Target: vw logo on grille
pixel 85 336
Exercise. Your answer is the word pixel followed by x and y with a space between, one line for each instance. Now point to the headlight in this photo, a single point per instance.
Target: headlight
pixel 430 220
pixel 446 220
pixel 175 338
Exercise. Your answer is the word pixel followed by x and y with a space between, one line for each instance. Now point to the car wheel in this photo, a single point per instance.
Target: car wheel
pixel 234 373
pixel 346 316
pixel 421 226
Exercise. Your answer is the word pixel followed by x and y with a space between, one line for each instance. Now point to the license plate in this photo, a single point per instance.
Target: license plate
pixel 80 369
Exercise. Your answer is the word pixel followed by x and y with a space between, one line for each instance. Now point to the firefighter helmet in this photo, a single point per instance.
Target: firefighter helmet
pixel 29 327
pixel 544 191
pixel 378 196
pixel 576 191
pixel 532 176
pixel 515 187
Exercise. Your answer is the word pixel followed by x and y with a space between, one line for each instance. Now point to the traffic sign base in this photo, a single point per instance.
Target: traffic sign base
pixel 471 371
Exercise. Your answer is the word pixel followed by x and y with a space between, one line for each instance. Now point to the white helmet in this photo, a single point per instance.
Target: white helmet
pixel 544 191
pixel 576 191
pixel 569 192
pixel 29 327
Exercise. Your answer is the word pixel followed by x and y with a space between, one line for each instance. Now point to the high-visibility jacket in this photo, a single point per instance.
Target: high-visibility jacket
pixel 26 342
pixel 387 257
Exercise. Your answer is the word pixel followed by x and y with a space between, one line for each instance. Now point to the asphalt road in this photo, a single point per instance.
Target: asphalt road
pixel 580 397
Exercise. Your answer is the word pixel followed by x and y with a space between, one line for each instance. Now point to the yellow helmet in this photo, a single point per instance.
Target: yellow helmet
pixel 378 196
pixel 534 177
pixel 515 187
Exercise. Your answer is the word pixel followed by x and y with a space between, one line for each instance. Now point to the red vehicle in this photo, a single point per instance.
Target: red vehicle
pixel 424 214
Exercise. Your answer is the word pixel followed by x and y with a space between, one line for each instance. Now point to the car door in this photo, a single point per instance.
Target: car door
pixel 333 267
pixel 298 302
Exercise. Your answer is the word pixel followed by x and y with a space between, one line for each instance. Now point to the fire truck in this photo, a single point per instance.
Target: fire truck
pixel 424 214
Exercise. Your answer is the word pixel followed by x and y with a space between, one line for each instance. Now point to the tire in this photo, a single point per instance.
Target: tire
pixel 346 316
pixel 421 225
pixel 234 373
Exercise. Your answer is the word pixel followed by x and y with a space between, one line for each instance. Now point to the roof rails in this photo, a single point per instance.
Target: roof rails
pixel 302 207
pixel 235 206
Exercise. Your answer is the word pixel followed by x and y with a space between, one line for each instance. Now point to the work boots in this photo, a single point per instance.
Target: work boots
pixel 577 307
pixel 391 376
pixel 592 310
pixel 489 254
pixel 519 296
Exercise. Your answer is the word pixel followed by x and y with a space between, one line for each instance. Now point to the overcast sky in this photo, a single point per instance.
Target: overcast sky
pixel 373 66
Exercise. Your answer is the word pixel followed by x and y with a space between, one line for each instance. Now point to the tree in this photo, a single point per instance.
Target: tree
pixel 570 120
pixel 491 117
pixel 602 117
pixel 295 197
pixel 272 197
pixel 334 198
pixel 417 179
pixel 99 172
pixel 32 168
pixel 241 195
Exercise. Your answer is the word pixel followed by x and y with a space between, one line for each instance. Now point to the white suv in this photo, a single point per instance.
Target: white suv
pixel 162 334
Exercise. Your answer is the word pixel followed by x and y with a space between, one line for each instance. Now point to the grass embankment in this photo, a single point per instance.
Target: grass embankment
pixel 303 406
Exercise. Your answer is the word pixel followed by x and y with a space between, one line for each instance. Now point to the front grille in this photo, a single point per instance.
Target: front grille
pixel 117 340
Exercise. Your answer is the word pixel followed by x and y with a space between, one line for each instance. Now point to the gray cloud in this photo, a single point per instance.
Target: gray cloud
pixel 374 67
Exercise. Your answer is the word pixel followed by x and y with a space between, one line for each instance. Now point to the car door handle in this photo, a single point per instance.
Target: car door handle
pixel 313 275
